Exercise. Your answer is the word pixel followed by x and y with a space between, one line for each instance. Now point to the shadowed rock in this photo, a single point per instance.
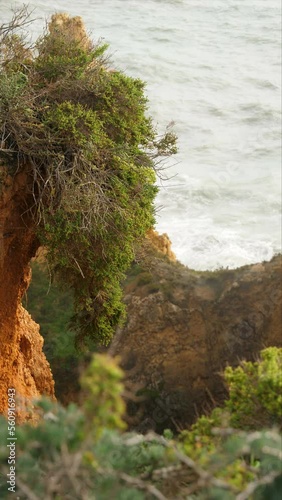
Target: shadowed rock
pixel 184 327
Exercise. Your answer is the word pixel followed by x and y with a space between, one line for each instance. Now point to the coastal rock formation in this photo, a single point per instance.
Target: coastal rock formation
pixel 161 243
pixel 184 327
pixel 23 366
pixel 69 27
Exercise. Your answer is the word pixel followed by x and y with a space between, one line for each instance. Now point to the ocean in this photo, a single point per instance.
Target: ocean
pixel 213 68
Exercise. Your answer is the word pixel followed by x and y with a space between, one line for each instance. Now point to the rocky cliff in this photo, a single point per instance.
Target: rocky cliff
pixel 184 327
pixel 23 366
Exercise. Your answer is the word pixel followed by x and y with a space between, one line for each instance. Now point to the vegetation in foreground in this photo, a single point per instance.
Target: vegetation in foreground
pixel 84 453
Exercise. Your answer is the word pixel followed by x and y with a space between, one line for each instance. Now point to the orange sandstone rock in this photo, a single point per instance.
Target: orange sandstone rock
pixel 162 243
pixel 23 365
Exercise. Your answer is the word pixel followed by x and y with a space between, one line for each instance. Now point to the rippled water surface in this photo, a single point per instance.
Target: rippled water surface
pixel 213 67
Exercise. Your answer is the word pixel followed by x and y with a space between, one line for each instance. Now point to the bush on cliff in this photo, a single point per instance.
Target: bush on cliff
pixel 254 404
pixel 81 133
pixel 255 391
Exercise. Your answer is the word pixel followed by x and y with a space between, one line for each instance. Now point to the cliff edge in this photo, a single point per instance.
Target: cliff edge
pixel 23 365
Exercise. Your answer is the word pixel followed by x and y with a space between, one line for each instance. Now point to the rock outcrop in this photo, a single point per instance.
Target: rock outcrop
pixel 68 27
pixel 161 243
pixel 23 366
pixel 184 327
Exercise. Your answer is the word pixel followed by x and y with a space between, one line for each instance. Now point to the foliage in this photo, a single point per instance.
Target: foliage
pixel 254 403
pixel 104 405
pixel 82 133
pixel 255 391
pixel 82 454
pixel 52 307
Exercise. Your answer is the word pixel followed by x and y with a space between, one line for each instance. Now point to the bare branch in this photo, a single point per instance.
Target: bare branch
pixel 21 18
pixel 26 490
pixel 134 481
pixel 268 479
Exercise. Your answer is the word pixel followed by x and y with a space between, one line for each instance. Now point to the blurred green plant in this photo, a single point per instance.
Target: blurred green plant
pixel 254 403
pixel 255 391
pixel 82 453
pixel 104 405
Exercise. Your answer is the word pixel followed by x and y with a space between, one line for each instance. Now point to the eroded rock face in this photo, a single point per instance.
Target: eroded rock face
pixel 161 243
pixel 23 366
pixel 184 327
pixel 69 28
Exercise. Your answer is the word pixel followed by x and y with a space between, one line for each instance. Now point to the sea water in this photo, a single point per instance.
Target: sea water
pixel 213 70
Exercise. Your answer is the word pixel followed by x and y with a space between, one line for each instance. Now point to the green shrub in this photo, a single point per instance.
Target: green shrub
pixel 82 134
pixel 104 406
pixel 254 403
pixel 255 391
pixel 52 308
pixel 70 454
pixel 82 453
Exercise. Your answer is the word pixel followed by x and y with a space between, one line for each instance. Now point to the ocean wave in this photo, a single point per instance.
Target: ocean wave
pixel 257 112
pixel 213 248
